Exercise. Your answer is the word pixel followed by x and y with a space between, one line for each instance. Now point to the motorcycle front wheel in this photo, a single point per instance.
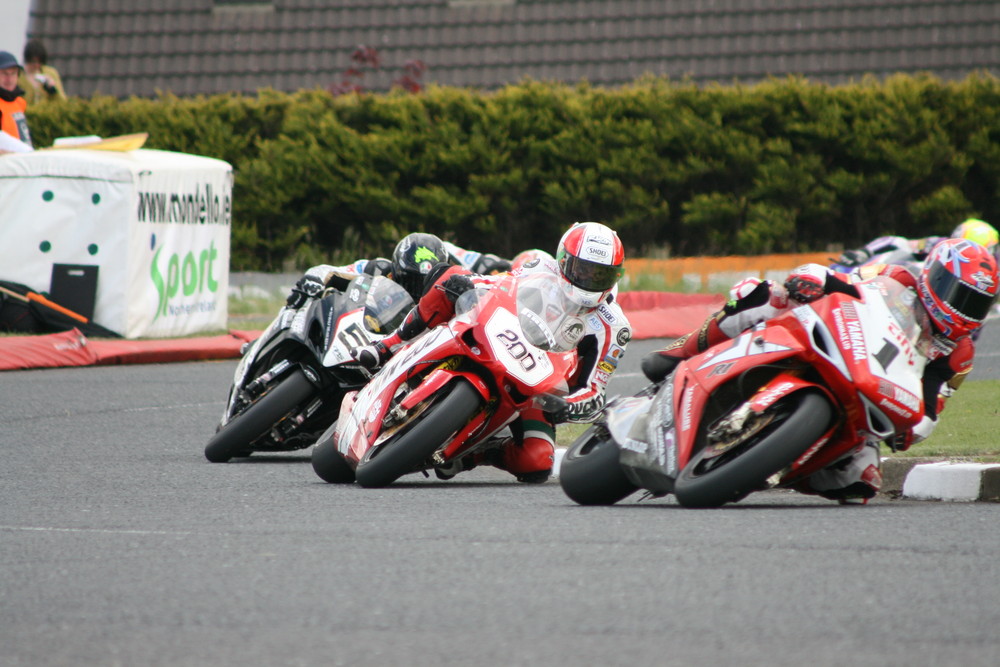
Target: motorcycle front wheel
pixel 329 464
pixel 235 438
pixel 712 482
pixel 590 473
pixel 384 464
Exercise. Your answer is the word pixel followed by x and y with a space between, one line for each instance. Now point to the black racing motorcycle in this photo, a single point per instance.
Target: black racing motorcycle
pixel 289 384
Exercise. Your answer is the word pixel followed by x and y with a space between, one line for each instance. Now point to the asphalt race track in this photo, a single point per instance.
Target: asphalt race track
pixel 121 545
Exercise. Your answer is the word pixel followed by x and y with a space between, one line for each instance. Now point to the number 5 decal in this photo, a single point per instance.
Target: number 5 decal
pixel 353 336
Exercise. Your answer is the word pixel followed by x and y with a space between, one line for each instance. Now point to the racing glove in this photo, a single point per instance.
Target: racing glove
pixel 555 408
pixel 373 356
pixel 307 287
pixel 457 285
pixel 923 429
pixel 559 410
pixel 807 283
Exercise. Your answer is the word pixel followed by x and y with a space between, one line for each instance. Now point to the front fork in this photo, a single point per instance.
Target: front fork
pixel 447 372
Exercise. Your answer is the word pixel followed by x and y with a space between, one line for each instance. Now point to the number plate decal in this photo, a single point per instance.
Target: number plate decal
pixel 523 361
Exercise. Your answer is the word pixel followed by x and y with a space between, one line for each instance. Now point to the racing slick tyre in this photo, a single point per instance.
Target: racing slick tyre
pixel 590 473
pixel 235 438
pixel 745 466
pixel 329 464
pixel 383 465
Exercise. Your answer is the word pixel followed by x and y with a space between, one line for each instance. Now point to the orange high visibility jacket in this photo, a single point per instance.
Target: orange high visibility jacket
pixel 12 120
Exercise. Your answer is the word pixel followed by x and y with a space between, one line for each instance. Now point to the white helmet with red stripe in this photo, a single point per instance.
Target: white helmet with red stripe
pixel 591 258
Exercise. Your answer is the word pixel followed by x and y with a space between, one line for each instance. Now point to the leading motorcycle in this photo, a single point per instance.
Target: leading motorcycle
pixel 767 409
pixel 452 391
pixel 288 386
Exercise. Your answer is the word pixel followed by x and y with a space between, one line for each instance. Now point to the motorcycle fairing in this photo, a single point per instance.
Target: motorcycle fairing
pixel 882 343
pixel 357 432
pixel 783 385
pixel 483 336
pixel 654 461
pixel 643 428
pixel 299 327
pixel 746 345
pixel 528 364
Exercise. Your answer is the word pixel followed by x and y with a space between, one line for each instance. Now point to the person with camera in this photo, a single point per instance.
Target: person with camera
pixel 41 82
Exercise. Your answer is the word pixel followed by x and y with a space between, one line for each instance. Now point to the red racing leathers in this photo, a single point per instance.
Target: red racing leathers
pixel 752 301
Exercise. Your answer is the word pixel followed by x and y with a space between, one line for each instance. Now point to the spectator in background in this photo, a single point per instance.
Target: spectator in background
pixel 14 136
pixel 41 82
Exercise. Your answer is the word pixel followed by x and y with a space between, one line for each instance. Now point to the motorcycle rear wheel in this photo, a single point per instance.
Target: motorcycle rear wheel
pixel 235 438
pixel 329 464
pixel 383 465
pixel 706 482
pixel 590 473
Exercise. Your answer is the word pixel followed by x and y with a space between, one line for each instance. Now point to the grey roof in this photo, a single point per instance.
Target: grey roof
pixel 137 47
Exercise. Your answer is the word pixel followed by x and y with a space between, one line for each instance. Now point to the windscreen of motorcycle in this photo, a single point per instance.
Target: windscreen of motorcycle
pixel 908 316
pixel 386 304
pixel 550 320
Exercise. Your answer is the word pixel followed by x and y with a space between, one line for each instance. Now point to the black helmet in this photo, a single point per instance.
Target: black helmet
pixel 413 259
pixel 380 266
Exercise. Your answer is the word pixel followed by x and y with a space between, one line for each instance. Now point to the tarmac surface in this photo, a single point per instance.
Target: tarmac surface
pixel 121 545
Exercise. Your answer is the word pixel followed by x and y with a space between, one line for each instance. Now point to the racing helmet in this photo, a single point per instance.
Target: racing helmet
pixel 415 255
pixel 979 231
pixel 592 259
pixel 526 256
pixel 958 285
pixel 489 264
pixel 380 266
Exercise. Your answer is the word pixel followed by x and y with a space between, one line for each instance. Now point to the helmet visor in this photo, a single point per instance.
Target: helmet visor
pixel 590 276
pixel 963 298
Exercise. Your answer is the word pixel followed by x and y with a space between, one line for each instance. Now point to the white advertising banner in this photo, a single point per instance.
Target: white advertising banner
pixel 152 226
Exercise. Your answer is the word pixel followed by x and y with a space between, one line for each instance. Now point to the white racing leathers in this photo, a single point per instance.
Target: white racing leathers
pixel 606 335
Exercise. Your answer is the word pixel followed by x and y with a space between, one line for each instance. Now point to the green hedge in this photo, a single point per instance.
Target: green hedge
pixel 782 166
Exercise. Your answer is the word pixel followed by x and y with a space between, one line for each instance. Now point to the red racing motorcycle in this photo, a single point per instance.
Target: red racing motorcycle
pixel 766 409
pixel 446 393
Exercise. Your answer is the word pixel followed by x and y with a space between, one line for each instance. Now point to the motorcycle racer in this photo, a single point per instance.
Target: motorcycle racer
pixel 956 286
pixel 972 229
pixel 590 261
pixel 486 264
pixel 413 257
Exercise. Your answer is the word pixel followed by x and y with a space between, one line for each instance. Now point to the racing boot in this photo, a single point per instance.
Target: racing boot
pixel 452 468
pixel 658 364
pixel 751 301
pixel 530 461
pixel 531 453
pixel 489 454
pixel 853 480
pixel 374 356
